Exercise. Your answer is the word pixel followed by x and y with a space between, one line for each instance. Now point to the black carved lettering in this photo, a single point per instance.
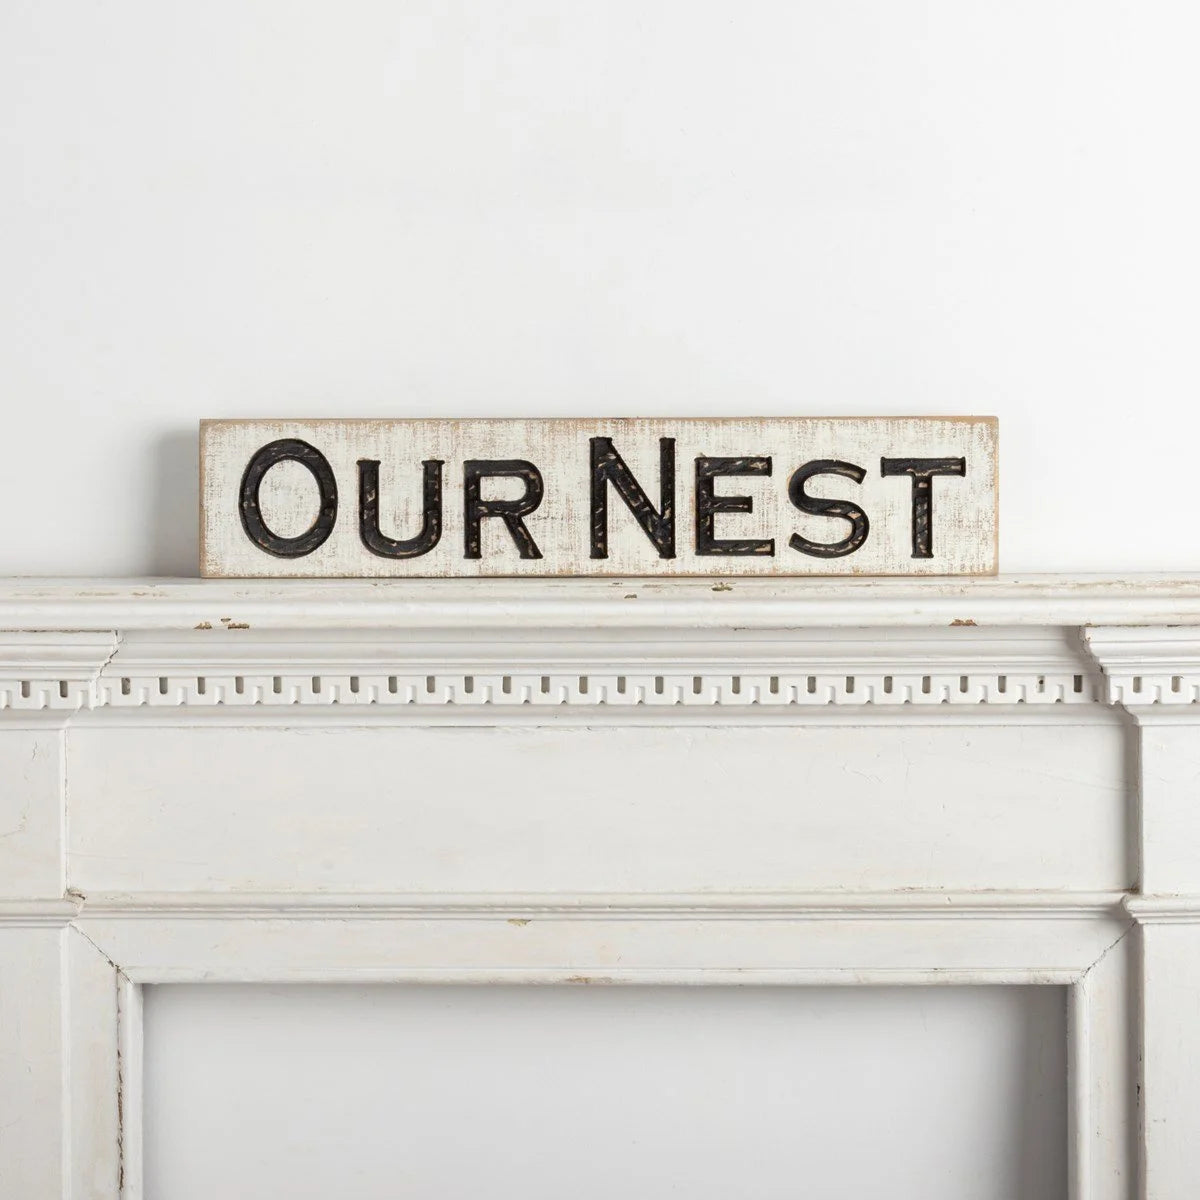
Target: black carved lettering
pixel 609 467
pixel 368 512
pixel 848 511
pixel 476 509
pixel 708 504
pixel 288 450
pixel 922 472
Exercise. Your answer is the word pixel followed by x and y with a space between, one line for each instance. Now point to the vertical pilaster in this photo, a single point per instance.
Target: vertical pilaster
pixel 1154 673
pixel 57 991
pixel 44 678
pixel 32 1060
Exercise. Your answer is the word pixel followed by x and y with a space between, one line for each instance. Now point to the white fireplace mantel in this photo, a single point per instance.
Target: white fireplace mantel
pixel 999 782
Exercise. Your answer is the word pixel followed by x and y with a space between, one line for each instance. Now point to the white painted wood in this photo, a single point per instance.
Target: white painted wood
pixel 34 1065
pixel 500 606
pixel 494 809
pixel 502 945
pixel 1148 666
pixel 1155 675
pixel 51 673
pixel 781 668
pixel 1103 1067
pixel 59 1116
pixel 255 515
pixel 1169 812
pixel 96 1128
pixel 1171 1053
pixel 1000 812
pixel 32 842
pixel 764 670
pixel 129 1091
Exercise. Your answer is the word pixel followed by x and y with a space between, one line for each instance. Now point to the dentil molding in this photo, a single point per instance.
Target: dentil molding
pixel 625 644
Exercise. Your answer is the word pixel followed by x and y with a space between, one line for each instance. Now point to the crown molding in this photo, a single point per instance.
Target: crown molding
pixel 1147 666
pixel 469 669
pixel 599 644
pixel 55 671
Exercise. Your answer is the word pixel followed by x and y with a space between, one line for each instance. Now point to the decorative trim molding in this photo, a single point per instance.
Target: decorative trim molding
pixel 1163 910
pixel 554 690
pixel 574 644
pixel 647 669
pixel 21 914
pixel 288 690
pixel 520 909
pixel 1147 665
pixel 52 670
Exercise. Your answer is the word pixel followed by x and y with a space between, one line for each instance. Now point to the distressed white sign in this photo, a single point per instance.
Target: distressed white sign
pixel 628 496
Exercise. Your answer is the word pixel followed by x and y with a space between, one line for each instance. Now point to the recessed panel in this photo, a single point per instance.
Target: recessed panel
pixel 473 809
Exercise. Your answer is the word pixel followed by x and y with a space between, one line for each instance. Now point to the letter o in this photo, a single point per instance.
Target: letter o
pixel 288 450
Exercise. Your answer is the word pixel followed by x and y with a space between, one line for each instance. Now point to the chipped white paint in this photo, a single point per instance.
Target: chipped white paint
pixel 752 471
pixel 981 810
pixel 504 607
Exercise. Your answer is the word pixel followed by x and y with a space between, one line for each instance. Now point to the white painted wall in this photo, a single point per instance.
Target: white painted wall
pixel 544 1092
pixel 296 207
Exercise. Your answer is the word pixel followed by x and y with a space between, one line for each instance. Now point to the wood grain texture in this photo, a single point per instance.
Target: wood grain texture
pixel 738 504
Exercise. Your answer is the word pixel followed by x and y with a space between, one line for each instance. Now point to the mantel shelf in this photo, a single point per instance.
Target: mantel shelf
pixel 610 604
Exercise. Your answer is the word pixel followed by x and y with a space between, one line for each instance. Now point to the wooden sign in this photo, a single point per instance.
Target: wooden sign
pixel 624 497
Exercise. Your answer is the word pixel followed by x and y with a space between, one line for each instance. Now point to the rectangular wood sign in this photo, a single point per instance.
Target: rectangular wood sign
pixel 619 497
